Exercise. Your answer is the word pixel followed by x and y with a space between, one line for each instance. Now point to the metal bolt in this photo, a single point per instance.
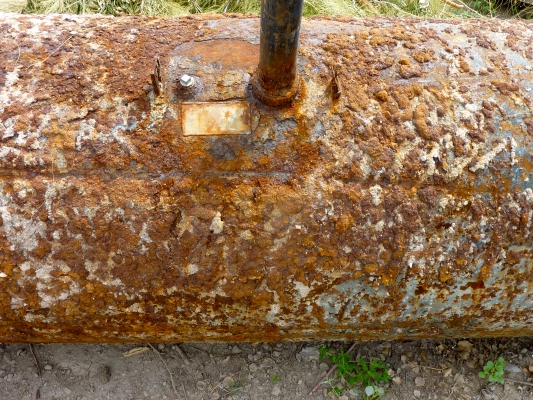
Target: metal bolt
pixel 186 80
pixel 157 81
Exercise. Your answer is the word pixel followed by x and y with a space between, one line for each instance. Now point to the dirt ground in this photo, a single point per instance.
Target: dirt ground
pixel 421 369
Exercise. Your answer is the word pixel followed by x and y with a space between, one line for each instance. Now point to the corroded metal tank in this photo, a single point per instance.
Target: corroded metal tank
pixel 391 198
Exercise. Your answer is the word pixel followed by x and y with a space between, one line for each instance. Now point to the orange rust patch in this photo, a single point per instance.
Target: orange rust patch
pixel 423 56
pixel 382 95
pixel 382 41
pixel 419 120
pixel 464 65
pixel 242 54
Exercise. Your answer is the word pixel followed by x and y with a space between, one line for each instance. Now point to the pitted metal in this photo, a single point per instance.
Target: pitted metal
pixel 393 198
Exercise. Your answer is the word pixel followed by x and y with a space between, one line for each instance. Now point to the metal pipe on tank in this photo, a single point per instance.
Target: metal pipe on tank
pixel 276 81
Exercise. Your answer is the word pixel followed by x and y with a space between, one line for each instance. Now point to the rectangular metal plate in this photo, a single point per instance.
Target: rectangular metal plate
pixel 217 118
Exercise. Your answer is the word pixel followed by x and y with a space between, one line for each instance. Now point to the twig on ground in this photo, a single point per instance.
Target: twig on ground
pixel 220 385
pixel 184 391
pixel 166 366
pixel 425 366
pixel 135 351
pixel 453 388
pixel 36 362
pixel 519 382
pixel 183 356
pixel 331 370
pixel 197 349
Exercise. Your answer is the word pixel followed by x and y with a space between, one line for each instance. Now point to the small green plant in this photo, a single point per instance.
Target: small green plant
pixel 275 379
pixel 374 392
pixel 493 370
pixel 368 375
pixel 235 386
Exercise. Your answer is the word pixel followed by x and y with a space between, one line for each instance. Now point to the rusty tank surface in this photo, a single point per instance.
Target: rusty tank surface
pixel 147 195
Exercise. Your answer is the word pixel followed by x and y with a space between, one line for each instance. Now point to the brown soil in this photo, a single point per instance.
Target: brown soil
pixel 242 371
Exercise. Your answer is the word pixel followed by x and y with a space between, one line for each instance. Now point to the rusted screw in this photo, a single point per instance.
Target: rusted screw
pixel 335 89
pixel 157 81
pixel 186 80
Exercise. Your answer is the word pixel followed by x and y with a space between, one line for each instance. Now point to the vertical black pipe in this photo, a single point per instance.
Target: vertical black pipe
pixel 276 81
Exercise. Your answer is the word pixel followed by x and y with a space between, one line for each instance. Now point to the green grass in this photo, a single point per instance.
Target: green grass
pixel 112 7
pixel 500 9
pixel 358 8
pixel 180 7
pixel 369 375
pixel 235 387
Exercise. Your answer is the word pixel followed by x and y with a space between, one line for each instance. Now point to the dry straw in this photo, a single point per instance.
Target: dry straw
pixel 357 8
pixel 15 6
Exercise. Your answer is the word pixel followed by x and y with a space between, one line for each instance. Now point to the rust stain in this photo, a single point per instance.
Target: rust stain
pixel 401 208
pixel 242 55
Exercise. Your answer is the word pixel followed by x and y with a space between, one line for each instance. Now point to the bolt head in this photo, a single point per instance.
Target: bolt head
pixel 186 80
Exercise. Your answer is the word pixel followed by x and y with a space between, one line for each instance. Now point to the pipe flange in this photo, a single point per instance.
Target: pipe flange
pixel 275 99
